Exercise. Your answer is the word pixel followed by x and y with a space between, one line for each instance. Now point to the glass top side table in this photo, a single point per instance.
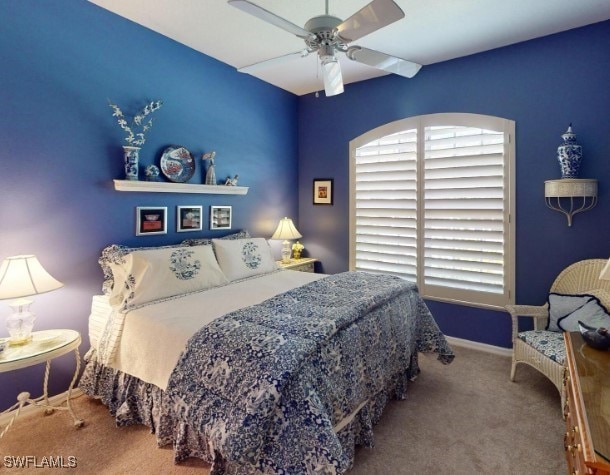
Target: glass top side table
pixel 44 347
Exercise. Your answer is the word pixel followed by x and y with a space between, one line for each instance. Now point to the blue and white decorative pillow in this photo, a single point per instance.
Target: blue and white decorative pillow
pixel 241 258
pixel 146 276
pixel 566 310
pixel 114 254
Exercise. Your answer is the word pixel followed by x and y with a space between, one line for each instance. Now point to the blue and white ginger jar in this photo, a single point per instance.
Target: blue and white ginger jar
pixel 569 154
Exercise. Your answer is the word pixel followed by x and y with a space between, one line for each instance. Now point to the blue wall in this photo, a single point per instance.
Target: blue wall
pixel 542 85
pixel 61 148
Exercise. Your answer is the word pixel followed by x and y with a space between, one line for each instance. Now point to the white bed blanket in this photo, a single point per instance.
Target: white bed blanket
pixel 151 338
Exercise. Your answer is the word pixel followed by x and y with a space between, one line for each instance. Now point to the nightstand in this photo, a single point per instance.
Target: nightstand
pixel 305 264
pixel 45 346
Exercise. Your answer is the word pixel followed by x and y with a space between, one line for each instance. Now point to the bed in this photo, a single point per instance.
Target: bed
pixel 252 368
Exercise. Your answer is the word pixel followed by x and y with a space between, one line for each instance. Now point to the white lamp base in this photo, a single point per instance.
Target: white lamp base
pixel 20 323
pixel 286 252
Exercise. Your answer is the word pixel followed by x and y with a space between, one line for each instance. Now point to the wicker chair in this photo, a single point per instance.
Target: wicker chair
pixel 579 278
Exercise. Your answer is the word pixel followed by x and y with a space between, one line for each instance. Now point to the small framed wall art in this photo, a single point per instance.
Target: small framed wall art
pixel 323 191
pixel 189 218
pixel 151 220
pixel 220 217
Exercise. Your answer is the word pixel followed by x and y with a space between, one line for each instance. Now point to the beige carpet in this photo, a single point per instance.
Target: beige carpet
pixel 465 418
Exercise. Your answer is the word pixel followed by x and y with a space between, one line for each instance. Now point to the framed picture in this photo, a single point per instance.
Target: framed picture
pixel 220 217
pixel 323 191
pixel 189 218
pixel 151 220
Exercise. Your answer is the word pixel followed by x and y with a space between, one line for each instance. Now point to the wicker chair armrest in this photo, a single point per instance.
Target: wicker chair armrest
pixel 528 310
pixel 539 313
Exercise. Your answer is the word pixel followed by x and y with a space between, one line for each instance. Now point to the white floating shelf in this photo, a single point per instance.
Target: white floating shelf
pixel 164 187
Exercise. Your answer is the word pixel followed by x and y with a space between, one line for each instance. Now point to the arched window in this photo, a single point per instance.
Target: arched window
pixel 432 200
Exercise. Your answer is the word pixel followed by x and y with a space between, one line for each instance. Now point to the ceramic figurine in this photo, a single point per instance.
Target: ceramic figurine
pixel 210 175
pixel 569 154
pixel 231 181
pixel 152 173
pixel 598 338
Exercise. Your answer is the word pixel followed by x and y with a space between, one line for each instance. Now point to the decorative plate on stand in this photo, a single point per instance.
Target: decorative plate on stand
pixel 177 164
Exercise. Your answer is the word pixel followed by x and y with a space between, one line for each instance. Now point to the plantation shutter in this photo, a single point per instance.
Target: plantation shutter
pixel 464 213
pixel 431 202
pixel 386 205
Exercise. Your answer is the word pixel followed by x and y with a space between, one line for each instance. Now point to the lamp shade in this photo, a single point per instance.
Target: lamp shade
pixel 21 276
pixel 286 230
pixel 605 273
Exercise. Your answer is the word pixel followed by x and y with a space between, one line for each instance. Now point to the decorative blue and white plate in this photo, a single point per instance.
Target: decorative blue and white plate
pixel 177 164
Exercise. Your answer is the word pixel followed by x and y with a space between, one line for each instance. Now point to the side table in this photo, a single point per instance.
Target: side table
pixel 45 346
pixel 305 264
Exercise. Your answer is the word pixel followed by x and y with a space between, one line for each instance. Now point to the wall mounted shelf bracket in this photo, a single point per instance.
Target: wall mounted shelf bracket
pixel 570 195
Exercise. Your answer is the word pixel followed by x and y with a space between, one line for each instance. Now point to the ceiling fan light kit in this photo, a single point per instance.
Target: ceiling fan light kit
pixel 328 35
pixel 331 72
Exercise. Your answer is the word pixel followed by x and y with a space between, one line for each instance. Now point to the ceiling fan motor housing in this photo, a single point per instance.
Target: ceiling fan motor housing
pixel 322 23
pixel 326 38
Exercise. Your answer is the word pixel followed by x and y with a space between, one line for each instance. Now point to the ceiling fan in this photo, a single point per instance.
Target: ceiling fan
pixel 328 35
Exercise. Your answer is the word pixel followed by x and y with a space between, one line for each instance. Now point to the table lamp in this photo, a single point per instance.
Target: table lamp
pixel 286 231
pixel 23 276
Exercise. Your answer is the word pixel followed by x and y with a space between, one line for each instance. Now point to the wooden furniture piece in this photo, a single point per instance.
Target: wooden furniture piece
pixel 587 408
pixel 305 264
pixel 44 346
pixel 578 278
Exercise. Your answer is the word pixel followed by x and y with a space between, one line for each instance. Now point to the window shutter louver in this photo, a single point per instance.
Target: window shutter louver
pixel 386 205
pixel 436 212
pixel 464 209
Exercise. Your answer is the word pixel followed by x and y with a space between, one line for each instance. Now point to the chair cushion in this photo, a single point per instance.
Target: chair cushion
pixel 549 343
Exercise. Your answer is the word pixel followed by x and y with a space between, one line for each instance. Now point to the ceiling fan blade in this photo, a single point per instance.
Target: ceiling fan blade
pixel 273 61
pixel 266 15
pixel 383 61
pixel 375 15
pixel 333 79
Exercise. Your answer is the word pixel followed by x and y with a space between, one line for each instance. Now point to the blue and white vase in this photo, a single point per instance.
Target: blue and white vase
pixel 131 156
pixel 569 154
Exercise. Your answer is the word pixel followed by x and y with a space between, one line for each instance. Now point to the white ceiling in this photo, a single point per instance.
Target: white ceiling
pixel 432 30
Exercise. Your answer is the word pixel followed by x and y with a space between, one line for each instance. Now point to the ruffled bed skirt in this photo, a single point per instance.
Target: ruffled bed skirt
pixel 132 401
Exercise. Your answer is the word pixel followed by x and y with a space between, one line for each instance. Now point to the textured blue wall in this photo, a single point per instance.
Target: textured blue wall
pixel 542 85
pixel 61 148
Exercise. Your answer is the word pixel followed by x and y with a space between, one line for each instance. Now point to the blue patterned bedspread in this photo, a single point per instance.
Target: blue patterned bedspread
pixel 288 386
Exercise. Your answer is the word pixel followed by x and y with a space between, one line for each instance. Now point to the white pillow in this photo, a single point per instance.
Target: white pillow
pixel 593 313
pixel 240 258
pixel 561 305
pixel 146 276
